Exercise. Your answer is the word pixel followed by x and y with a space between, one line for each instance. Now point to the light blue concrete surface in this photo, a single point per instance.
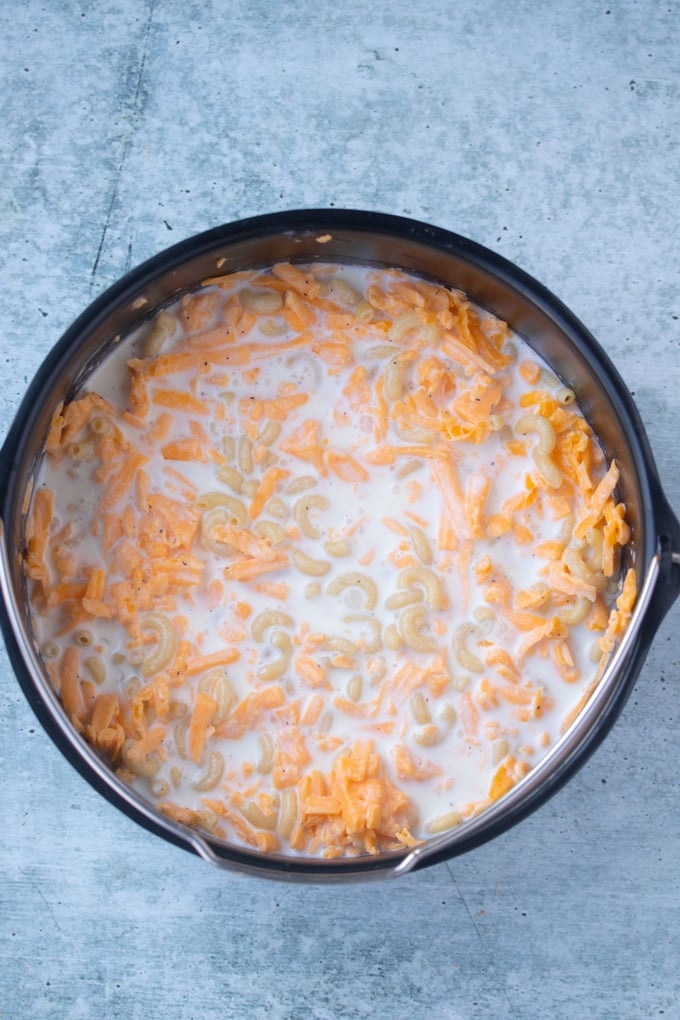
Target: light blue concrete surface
pixel 547 131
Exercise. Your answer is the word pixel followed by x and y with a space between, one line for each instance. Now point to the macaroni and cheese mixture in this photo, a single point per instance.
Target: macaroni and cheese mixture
pixel 324 559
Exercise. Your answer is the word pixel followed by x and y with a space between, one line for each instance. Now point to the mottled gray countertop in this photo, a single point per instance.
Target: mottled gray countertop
pixel 546 131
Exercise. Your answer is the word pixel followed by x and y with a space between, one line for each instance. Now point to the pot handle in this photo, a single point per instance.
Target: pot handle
pixel 668 583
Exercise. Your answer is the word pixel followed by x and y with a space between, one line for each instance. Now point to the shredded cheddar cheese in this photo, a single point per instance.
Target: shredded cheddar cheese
pixel 323 564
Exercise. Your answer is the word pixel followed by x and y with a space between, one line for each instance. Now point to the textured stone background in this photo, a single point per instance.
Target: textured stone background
pixel 545 130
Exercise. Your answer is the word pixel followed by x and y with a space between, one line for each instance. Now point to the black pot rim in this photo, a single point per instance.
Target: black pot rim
pixel 661 532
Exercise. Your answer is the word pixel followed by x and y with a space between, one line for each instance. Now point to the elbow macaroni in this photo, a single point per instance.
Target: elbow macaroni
pixel 330 598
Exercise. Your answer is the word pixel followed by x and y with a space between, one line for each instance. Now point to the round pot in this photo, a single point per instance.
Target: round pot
pixel 489 280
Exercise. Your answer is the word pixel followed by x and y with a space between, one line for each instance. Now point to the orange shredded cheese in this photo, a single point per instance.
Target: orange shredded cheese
pixel 326 578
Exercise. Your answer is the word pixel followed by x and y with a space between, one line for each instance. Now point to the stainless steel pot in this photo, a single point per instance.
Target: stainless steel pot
pixel 491 281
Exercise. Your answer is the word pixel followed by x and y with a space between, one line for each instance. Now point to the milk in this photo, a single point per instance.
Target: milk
pixel 373 517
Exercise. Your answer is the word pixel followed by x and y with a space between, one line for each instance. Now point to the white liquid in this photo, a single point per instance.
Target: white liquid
pixel 465 762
